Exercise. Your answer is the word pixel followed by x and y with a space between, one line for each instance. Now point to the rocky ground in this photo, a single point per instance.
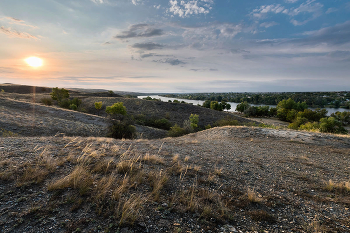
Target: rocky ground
pixel 227 179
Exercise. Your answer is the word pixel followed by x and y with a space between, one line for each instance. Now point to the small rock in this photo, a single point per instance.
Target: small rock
pixel 165 205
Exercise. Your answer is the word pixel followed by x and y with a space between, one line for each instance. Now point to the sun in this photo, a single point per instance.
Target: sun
pixel 34 61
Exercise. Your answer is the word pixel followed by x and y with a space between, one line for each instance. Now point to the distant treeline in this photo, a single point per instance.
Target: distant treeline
pixel 312 99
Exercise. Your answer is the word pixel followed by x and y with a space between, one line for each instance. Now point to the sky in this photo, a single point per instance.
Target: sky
pixel 178 46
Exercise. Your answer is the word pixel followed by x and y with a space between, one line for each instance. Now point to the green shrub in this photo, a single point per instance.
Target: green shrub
pixel 343 117
pixel 194 119
pixel 122 129
pixel 311 115
pixel 46 101
pixel 77 102
pixel 64 103
pixel 176 131
pixel 310 126
pixel 297 123
pixel 208 126
pixel 226 121
pixel 162 124
pixel 115 109
pixel 331 125
pixel 73 107
pixel 242 107
pixel 59 94
pixel 98 106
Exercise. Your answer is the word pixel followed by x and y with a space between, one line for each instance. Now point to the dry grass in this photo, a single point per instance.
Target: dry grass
pixel 125 166
pixel 131 209
pixel 155 159
pixel 103 187
pixel 157 180
pixel 252 196
pixel 343 187
pixel 32 174
pixel 121 189
pixel 80 179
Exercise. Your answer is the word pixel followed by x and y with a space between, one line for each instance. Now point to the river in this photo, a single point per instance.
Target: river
pixel 233 105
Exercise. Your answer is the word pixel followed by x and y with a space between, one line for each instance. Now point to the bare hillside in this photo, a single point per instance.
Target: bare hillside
pixel 229 179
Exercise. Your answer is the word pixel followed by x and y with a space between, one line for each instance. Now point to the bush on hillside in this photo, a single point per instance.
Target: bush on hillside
pixel 116 109
pixel 242 107
pixel 46 101
pixel 122 129
pixel 331 125
pixel 176 131
pixel 59 94
pixel 226 121
pixel 343 117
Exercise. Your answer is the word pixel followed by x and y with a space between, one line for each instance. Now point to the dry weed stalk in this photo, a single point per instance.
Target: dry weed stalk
pixel 253 196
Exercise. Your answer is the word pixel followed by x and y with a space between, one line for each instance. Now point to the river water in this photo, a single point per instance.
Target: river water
pixel 233 105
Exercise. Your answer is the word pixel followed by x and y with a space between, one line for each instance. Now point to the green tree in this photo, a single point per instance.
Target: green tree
pixel 98 106
pixel 194 119
pixel 216 105
pixel 59 94
pixel 242 106
pixel 206 104
pixel 331 125
pixel 115 109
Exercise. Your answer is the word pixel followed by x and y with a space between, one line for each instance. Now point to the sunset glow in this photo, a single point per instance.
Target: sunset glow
pixel 34 61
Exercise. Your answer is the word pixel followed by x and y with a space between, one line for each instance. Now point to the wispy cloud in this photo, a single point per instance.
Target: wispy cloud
pixel 268 24
pixel 310 7
pixel 12 20
pixel 139 31
pixel 136 2
pixel 99 1
pixel 190 7
pixel 13 33
pixel 171 61
pixel 291 1
pixel 147 46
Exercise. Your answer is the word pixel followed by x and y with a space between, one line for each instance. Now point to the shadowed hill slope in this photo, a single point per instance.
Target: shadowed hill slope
pixel 175 112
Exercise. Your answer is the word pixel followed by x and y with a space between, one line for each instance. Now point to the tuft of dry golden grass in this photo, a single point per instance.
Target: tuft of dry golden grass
pixel 157 180
pixel 155 159
pixel 342 187
pixel 80 179
pixel 252 196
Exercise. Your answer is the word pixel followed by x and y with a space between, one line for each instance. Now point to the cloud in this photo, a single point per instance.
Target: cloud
pixel 190 7
pixel 211 31
pixel 268 24
pixel 310 7
pixel 139 31
pixel 335 35
pixel 13 33
pixel 12 20
pixel 154 55
pixel 263 10
pixel 340 55
pixel 331 10
pixel 171 61
pixel 147 46
pixel 99 1
pixel 204 70
pixel 290 1
pixel 136 2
